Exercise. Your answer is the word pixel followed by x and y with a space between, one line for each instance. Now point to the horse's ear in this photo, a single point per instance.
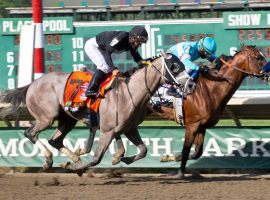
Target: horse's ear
pixel 166 56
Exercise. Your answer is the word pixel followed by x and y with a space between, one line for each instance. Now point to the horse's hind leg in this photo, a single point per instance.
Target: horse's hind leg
pixel 32 134
pixel 89 143
pixel 65 125
pixel 198 142
pixel 136 139
pixel 120 151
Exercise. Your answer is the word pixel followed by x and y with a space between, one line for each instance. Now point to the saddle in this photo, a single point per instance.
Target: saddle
pixel 76 86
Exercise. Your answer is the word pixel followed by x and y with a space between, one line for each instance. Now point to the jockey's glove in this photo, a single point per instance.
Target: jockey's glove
pixel 116 72
pixel 145 62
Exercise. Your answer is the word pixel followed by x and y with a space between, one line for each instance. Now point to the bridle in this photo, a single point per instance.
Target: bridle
pixel 250 59
pixel 164 69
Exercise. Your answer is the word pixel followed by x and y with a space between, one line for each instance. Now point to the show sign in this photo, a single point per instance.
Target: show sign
pixel 241 20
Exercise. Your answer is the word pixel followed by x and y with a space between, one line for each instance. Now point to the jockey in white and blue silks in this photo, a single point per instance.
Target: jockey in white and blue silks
pixel 188 52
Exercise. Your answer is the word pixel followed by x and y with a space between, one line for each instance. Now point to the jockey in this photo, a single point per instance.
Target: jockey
pixel 100 48
pixel 189 51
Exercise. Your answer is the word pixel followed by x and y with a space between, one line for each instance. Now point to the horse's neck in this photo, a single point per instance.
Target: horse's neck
pixel 230 78
pixel 142 85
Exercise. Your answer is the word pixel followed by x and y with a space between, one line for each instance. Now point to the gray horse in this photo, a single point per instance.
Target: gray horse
pixel 121 111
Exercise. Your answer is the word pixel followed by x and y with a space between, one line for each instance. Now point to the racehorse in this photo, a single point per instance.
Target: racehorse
pixel 204 107
pixel 121 111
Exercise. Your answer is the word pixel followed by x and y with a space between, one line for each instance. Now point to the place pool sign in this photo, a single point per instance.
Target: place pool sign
pixel 51 25
pixel 242 20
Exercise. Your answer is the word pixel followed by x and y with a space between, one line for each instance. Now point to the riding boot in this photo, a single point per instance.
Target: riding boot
pixel 94 84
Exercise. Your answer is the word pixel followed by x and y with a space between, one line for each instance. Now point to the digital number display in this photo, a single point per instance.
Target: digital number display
pixel 54 68
pixel 254 34
pixel 174 39
pixel 49 40
pixel 52 56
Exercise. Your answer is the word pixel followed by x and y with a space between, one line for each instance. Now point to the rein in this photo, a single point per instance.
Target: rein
pixel 164 65
pixel 241 70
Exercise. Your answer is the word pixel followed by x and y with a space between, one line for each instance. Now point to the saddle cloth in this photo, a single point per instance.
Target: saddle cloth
pixel 76 86
pixel 161 98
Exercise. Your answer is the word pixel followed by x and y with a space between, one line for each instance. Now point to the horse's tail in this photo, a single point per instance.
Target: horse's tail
pixel 12 100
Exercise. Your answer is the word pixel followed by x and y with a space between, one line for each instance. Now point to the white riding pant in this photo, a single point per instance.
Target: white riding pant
pixel 92 50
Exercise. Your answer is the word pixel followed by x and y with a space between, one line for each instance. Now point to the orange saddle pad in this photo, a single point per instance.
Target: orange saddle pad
pixel 76 86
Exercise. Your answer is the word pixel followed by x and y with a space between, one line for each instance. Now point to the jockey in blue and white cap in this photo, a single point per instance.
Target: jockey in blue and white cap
pixel 188 52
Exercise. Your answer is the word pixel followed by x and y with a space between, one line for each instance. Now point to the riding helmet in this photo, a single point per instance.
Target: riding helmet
pixel 208 44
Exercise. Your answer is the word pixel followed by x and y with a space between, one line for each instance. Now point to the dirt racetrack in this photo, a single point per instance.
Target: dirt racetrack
pixel 116 185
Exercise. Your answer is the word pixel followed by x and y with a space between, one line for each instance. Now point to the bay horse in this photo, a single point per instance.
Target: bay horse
pixel 203 108
pixel 121 111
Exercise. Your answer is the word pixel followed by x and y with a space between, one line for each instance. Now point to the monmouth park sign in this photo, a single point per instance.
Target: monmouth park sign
pixel 223 148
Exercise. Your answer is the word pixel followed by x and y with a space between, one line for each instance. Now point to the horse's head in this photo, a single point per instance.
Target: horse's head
pixel 249 60
pixel 171 66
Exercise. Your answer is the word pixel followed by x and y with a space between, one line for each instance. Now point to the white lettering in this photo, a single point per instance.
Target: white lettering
pixel 26 152
pixel 10 149
pixel 244 20
pixel 258 147
pixel 157 146
pixel 6 25
pixel 55 25
pixel 212 146
pixel 236 145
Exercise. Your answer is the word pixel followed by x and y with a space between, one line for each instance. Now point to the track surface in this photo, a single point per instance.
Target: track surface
pixel 110 186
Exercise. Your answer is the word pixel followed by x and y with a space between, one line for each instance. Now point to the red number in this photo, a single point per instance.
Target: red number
pixel 50 68
pixel 50 56
pixel 241 35
pixel 58 68
pixel 267 34
pixel 192 37
pixel 49 39
pixel 184 38
pixel 267 51
pixel 57 39
pixel 200 36
pixel 259 35
pixel 250 34
pixel 176 39
pixel 58 56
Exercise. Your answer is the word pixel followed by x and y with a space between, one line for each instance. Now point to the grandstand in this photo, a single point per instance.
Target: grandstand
pixel 102 10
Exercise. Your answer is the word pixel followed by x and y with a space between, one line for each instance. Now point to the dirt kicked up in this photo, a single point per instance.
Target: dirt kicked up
pixel 110 186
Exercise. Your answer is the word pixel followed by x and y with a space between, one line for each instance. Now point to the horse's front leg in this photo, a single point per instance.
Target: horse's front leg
pixel 134 136
pixel 190 133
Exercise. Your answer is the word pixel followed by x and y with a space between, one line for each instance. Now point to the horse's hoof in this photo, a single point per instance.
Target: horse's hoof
pixel 115 161
pixel 65 165
pixel 79 152
pixel 179 175
pixel 126 160
pixel 80 172
pixel 164 158
pixel 48 165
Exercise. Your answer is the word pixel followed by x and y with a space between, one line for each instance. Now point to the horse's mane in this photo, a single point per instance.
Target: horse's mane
pixel 131 71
